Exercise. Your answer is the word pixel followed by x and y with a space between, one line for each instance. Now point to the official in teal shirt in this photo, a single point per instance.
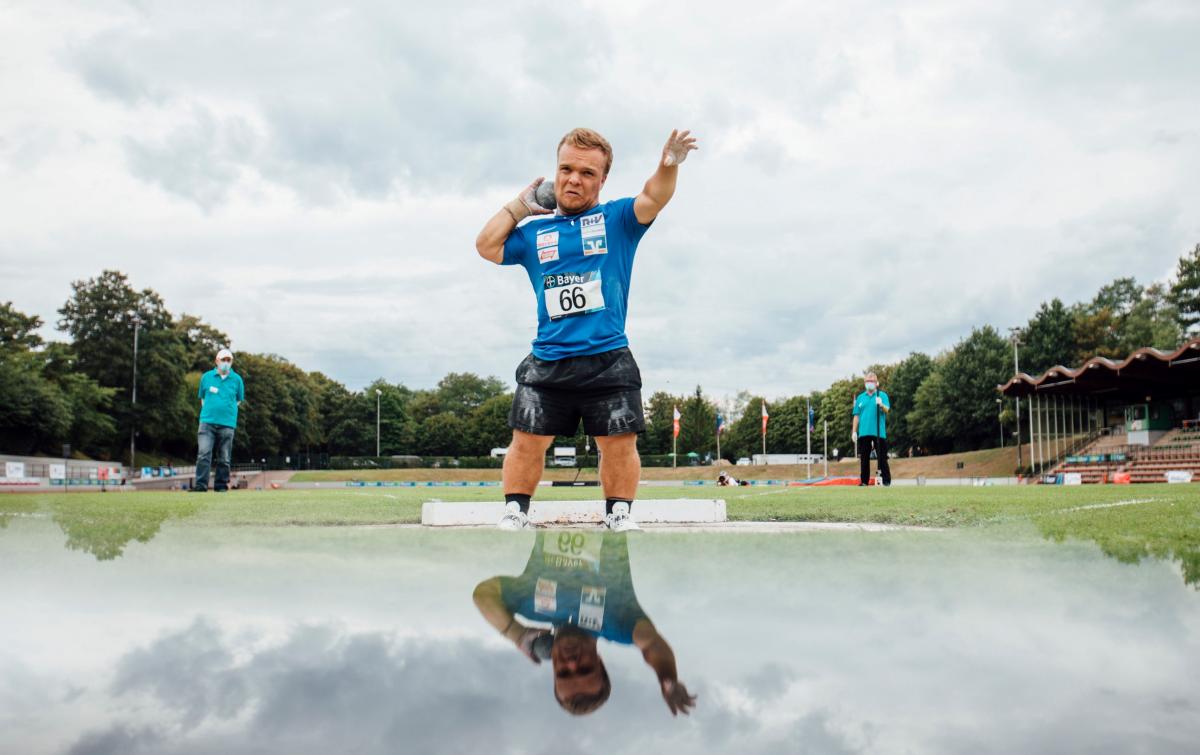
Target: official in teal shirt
pixel 871 408
pixel 221 390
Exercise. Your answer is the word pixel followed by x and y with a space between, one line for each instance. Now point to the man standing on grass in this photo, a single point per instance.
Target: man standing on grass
pixel 221 391
pixel 871 408
pixel 579 261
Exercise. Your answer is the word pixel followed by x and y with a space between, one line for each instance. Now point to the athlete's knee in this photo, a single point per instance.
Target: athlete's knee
pixel 624 444
pixel 524 444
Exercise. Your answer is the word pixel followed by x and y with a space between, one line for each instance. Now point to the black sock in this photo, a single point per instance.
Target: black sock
pixel 608 504
pixel 521 499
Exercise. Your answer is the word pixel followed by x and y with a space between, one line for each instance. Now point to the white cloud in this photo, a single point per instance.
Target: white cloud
pixel 871 181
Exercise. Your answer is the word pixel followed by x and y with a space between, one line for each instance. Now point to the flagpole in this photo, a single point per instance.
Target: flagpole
pixel 764 430
pixel 808 434
pixel 825 453
pixel 674 435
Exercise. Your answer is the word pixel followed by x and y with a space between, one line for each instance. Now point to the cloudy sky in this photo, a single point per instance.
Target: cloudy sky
pixel 310 177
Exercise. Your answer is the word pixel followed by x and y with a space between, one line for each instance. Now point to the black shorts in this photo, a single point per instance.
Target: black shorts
pixel 604 390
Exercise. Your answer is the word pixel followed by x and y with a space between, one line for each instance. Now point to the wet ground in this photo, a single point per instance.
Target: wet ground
pixel 213 639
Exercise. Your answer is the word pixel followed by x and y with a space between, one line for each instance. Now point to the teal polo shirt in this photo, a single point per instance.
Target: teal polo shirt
pixel 866 411
pixel 221 397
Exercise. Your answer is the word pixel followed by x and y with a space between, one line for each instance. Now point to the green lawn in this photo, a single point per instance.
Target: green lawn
pixel 1128 522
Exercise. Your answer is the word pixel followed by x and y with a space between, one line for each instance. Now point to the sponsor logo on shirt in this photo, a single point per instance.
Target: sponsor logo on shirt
pixel 547 238
pixel 592 231
pixel 548 254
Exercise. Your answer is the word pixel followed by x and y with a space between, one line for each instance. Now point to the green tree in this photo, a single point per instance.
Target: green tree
pixel 460 393
pixel 1185 291
pixel 1048 338
pixel 18 330
pixel 931 419
pixel 956 405
pixel 45 401
pixel 201 342
pixel 1153 321
pixel 488 425
pixel 99 317
pixel 659 411
pixel 441 435
pixel 34 414
pixel 905 380
pixel 744 434
pixel 837 406
pixel 89 404
pixel 698 425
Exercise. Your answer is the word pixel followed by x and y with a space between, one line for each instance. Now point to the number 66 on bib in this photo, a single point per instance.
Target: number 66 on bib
pixel 569 294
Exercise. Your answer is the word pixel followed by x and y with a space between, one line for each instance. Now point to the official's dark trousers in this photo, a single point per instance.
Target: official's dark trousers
pixel 865 443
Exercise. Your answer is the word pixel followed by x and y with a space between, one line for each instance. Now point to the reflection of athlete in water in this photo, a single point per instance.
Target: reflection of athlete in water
pixel 579 583
pixel 580 264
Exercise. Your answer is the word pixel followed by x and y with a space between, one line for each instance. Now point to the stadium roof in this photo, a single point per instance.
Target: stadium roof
pixel 1146 373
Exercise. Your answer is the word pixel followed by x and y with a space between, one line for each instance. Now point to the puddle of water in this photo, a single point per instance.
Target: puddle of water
pixel 382 640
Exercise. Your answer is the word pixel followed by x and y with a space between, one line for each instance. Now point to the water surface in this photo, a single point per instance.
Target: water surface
pixel 293 639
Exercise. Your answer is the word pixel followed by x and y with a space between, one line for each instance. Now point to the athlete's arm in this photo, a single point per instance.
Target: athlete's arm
pixel 490 602
pixel 661 658
pixel 490 241
pixel 661 186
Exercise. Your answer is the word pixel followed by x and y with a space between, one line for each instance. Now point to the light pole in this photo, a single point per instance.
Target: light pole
pixel 1014 335
pixel 137 325
pixel 1000 419
pixel 378 393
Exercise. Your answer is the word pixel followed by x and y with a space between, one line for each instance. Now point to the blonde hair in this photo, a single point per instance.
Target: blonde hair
pixel 585 138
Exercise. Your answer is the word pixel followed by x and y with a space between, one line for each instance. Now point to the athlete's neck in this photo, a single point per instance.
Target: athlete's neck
pixel 574 214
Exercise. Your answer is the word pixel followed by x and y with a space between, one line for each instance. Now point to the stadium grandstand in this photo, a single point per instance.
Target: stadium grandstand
pixel 1131 420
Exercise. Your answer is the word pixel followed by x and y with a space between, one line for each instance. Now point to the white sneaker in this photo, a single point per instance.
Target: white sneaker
pixel 620 520
pixel 514 518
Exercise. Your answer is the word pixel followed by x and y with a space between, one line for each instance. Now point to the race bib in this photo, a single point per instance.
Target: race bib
pixel 568 294
pixel 574 550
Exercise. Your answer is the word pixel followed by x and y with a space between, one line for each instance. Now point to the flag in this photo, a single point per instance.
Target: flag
pixel 677 416
pixel 720 424
pixel 764 416
pixel 812 420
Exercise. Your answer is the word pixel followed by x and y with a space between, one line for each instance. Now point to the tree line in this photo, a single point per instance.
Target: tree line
pixel 78 392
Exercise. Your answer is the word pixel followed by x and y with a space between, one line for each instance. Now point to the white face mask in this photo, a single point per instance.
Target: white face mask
pixel 870 387
pixel 223 367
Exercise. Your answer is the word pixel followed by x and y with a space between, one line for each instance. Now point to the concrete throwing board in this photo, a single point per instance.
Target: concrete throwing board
pixel 660 511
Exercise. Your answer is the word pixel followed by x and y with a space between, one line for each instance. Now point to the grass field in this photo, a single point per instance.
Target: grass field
pixel 1128 522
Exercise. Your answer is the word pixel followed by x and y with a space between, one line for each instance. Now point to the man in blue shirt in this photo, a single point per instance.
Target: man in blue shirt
pixel 221 391
pixel 579 261
pixel 580 584
pixel 871 408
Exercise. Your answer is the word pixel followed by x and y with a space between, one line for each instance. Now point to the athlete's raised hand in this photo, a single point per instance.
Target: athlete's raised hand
pixel 527 198
pixel 677 697
pixel 525 642
pixel 678 145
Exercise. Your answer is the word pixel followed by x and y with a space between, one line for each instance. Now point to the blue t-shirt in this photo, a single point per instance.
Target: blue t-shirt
pixel 221 397
pixel 866 411
pixel 579 266
pixel 580 578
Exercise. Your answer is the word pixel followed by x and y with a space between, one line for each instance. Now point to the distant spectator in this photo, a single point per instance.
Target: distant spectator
pixel 871 408
pixel 221 392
